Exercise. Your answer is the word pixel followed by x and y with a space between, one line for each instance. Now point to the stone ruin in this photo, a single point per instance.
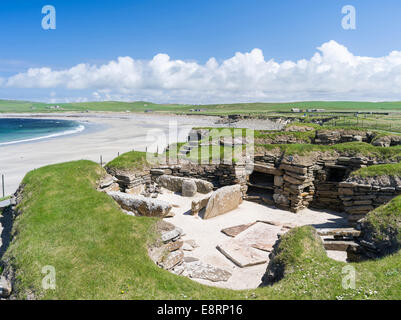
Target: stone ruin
pixel 319 180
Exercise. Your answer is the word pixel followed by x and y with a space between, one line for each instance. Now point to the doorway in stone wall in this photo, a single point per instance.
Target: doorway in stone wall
pixel 261 187
pixel 337 173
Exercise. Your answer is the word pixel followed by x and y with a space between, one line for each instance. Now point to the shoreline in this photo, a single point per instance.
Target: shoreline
pixel 79 129
pixel 106 135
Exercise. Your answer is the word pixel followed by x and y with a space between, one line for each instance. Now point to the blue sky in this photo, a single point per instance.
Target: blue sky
pixel 97 32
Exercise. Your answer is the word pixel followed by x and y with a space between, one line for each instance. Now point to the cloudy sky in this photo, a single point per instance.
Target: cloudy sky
pixel 200 51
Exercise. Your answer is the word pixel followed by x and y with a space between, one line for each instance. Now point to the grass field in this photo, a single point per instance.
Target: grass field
pixel 214 109
pixel 98 252
pixel 337 113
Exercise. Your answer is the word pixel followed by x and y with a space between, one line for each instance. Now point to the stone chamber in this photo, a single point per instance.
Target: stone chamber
pixel 292 182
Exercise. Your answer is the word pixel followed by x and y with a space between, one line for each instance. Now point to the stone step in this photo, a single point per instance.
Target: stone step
pixel 261 186
pixel 345 232
pixel 339 245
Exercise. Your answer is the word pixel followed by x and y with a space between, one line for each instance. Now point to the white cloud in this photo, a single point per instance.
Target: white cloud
pixel 333 72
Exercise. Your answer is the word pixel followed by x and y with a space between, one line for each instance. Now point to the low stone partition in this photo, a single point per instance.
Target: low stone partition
pixel 186 186
pixel 219 175
pixel 360 196
pixel 329 137
pixel 132 182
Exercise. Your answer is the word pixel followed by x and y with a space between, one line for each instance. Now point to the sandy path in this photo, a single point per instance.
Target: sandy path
pixel 207 234
pixel 106 135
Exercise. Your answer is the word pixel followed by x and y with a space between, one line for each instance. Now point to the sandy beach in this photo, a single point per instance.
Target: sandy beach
pixel 106 135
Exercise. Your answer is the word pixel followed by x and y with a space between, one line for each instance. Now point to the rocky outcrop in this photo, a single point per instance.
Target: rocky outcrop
pixel 223 200
pixel 142 205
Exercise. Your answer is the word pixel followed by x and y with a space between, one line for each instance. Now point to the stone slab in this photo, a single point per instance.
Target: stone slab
pixel 259 232
pixel 236 230
pixel 199 270
pixel 241 254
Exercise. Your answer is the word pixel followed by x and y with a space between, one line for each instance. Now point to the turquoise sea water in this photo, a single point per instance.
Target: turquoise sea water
pixel 17 130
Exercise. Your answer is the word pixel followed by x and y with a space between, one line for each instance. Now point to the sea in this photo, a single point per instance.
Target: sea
pixel 20 130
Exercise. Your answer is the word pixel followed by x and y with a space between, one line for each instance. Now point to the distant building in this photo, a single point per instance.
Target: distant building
pixel 296 110
pixel 148 110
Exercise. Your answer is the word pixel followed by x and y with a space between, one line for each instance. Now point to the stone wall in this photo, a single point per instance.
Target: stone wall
pixel 219 174
pixel 329 137
pixel 320 181
pixel 131 181
pixel 362 195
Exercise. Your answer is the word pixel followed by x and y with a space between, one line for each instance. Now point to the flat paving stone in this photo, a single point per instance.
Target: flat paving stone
pixel 241 254
pixel 251 246
pixel 236 230
pixel 261 233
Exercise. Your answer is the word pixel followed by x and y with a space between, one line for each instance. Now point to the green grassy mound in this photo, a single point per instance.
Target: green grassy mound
pixel 345 149
pixel 98 252
pixel 133 160
pixel 379 170
pixel 300 246
pixel 382 226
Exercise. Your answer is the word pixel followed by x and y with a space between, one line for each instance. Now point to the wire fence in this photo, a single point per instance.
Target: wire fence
pixel 391 125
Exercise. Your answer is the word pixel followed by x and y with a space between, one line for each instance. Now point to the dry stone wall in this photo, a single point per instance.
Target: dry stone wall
pixel 362 195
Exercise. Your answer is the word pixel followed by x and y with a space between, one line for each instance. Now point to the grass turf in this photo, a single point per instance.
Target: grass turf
pixel 379 170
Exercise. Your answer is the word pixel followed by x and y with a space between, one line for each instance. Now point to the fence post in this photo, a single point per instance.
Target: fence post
pixel 2 183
